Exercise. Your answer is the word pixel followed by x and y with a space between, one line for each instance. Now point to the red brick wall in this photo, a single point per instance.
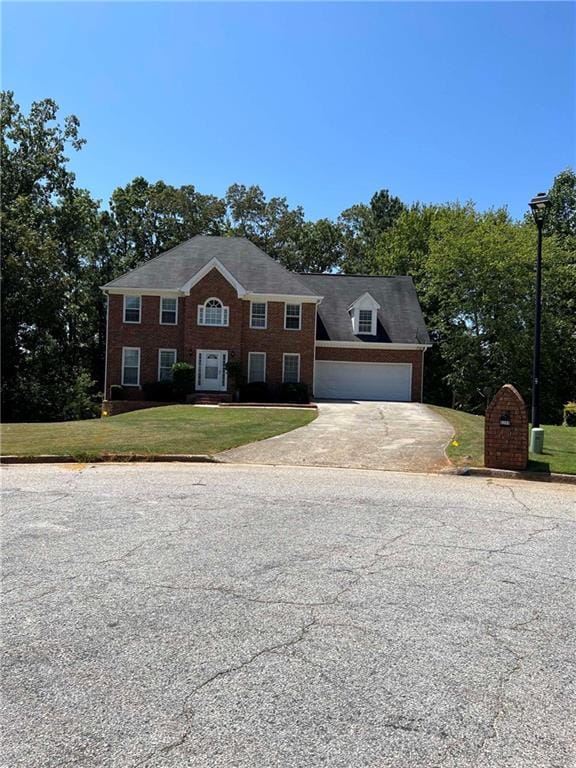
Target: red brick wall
pixel 275 341
pixel 380 356
pixel 238 338
pixel 506 447
pixel 149 335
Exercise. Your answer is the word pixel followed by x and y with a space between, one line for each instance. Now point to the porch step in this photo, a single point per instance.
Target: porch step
pixel 208 398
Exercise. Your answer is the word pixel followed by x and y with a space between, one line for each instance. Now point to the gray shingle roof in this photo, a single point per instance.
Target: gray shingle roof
pixel 253 269
pixel 400 319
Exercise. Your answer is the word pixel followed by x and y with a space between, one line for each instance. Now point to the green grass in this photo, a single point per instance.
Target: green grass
pixel 559 443
pixel 168 429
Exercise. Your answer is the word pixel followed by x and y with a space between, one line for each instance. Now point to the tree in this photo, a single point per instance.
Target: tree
pixel 561 215
pixel 364 226
pixel 148 219
pixel 47 233
pixel 270 224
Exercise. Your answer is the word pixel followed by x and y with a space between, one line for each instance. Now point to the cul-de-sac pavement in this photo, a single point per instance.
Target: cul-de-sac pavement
pixel 169 615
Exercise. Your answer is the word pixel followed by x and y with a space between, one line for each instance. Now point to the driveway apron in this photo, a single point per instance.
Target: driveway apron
pixel 360 435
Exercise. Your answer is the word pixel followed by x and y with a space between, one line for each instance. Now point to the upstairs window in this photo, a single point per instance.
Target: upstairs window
pixel 168 311
pixel 258 314
pixel 292 317
pixel 212 312
pixel 365 321
pixel 132 307
pixel 166 360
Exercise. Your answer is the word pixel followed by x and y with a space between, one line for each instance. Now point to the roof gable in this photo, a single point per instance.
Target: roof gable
pixel 203 271
pixel 240 261
pixel 366 301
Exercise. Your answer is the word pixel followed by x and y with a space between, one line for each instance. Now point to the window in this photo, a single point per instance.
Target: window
pixel 132 309
pixel 258 313
pixel 292 317
pixel 256 366
pixel 365 321
pixel 212 312
pixel 168 311
pixel 166 359
pixel 291 369
pixel 131 366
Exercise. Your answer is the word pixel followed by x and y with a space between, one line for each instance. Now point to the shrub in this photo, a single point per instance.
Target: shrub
pixel 570 415
pixel 293 393
pixel 82 400
pixel 117 392
pixel 159 391
pixel 234 371
pixel 255 392
pixel 183 380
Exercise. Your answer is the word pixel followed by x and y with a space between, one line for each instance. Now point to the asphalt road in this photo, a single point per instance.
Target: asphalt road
pixel 217 615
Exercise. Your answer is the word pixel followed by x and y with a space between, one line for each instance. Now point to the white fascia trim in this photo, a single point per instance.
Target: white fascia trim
pixel 370 345
pixel 213 264
pixel 360 299
pixel 165 292
pixel 290 298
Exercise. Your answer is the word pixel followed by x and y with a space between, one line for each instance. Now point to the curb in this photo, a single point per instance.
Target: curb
pixel 311 406
pixel 509 474
pixel 111 458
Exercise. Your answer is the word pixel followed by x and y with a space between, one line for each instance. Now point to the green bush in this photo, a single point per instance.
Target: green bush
pixel 159 391
pixel 183 380
pixel 293 393
pixel 570 415
pixel 117 392
pixel 255 392
pixel 260 392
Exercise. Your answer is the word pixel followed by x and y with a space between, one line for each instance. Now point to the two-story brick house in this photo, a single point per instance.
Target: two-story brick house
pixel 212 300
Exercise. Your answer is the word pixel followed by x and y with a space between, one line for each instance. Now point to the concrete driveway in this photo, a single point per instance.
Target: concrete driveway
pixel 361 435
pixel 210 616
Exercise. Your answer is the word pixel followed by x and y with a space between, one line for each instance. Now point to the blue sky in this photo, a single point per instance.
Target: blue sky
pixel 323 103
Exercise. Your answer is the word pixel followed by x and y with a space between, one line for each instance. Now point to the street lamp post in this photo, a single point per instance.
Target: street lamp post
pixel 538 206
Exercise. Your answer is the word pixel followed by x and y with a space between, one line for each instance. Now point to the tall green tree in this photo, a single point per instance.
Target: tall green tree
pixel 148 219
pixel 363 227
pixel 47 234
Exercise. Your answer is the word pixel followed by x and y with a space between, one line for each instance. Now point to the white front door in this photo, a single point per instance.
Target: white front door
pixel 211 373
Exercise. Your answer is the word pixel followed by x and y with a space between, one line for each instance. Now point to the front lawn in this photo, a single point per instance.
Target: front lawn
pixel 467 445
pixel 168 429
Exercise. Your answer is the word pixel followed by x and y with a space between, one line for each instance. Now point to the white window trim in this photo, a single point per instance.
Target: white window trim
pixel 284 356
pixel 373 321
pixel 132 322
pixel 166 349
pixel 260 327
pixel 265 361
pixel 161 300
pixel 368 303
pixel 225 314
pixel 130 349
pixel 292 304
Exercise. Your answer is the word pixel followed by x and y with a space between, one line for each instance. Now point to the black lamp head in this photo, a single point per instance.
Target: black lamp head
pixel 538 206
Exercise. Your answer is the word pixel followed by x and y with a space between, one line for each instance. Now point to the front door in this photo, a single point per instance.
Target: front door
pixel 211 370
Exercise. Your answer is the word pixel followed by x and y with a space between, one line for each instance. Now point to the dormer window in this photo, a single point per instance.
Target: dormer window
pixel 364 315
pixel 212 312
pixel 365 321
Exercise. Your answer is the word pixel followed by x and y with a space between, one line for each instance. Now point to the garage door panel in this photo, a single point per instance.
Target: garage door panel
pixel 363 381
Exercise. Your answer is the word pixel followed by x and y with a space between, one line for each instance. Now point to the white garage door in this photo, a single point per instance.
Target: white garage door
pixel 363 381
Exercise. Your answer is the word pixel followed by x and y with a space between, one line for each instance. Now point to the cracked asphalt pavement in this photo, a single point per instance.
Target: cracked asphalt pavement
pixel 218 615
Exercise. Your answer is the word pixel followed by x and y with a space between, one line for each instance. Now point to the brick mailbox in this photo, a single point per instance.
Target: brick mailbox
pixel 506 431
